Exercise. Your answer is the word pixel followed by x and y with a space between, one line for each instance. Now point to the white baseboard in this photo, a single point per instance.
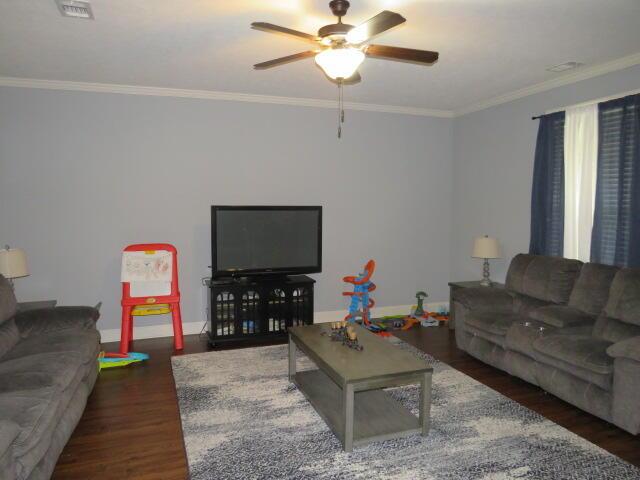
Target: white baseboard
pixel 190 328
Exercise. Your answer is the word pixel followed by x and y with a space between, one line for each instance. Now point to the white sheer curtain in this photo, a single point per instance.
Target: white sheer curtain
pixel 580 170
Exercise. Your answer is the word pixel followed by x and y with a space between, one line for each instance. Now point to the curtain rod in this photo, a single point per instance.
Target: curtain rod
pixel 590 102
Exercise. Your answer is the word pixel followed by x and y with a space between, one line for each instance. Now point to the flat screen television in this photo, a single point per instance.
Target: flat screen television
pixel 265 240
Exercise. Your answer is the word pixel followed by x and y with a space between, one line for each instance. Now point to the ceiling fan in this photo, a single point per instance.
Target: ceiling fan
pixel 341 48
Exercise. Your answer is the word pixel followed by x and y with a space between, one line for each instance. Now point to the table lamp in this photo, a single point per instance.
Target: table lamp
pixel 485 247
pixel 13 264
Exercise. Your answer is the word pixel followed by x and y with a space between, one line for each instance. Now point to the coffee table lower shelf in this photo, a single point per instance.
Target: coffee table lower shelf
pixel 377 416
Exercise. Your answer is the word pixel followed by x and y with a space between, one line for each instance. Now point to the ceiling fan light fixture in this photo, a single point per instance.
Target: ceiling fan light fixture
pixel 340 62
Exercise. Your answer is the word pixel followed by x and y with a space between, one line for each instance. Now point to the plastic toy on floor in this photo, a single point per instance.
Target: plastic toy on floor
pixel 117 360
pixel 361 302
pixel 422 317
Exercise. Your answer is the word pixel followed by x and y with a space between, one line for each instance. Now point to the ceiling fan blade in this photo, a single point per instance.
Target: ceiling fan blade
pixel 352 80
pixel 271 28
pixel 374 26
pixel 282 60
pixel 402 54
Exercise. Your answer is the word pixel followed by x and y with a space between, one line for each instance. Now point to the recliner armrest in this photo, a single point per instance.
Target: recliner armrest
pixel 55 319
pixel 629 348
pixel 484 298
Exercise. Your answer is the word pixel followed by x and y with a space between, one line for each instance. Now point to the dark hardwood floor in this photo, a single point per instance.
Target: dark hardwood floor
pixel 131 426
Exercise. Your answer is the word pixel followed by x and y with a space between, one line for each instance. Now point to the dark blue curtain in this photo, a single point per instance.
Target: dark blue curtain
pixel 616 227
pixel 547 194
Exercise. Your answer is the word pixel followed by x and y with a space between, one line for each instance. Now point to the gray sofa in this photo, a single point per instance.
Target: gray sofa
pixel 571 328
pixel 48 366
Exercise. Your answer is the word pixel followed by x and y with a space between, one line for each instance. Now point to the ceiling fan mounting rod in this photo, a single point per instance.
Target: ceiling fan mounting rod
pixel 339 8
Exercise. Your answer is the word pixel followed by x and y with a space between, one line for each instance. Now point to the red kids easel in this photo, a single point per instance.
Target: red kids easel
pixel 152 305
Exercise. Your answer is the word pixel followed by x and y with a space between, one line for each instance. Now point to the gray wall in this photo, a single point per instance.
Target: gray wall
pixel 84 174
pixel 493 167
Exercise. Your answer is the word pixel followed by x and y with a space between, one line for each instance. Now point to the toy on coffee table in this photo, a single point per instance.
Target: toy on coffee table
pixel 361 302
pixel 346 334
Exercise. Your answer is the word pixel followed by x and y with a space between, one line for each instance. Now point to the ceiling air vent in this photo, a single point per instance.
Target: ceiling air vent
pixel 563 67
pixel 75 9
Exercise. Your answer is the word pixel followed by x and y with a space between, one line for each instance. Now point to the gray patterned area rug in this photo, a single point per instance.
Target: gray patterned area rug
pixel 243 420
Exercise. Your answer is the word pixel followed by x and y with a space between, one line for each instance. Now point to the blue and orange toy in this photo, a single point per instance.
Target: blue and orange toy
pixel 361 302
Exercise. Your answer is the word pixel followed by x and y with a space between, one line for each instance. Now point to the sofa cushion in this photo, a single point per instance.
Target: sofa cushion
pixel 545 278
pixel 522 304
pixel 50 369
pixel 9 336
pixel 8 304
pixel 484 298
pixel 75 341
pixel 491 326
pixel 561 316
pixel 591 291
pixel 580 355
pixel 624 296
pixel 629 349
pixel 522 334
pixel 47 321
pixel 613 330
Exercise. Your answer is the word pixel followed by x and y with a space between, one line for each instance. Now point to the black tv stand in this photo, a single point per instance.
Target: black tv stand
pixel 257 308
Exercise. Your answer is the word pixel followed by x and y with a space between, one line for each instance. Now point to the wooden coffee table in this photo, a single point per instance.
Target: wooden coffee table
pixel 346 389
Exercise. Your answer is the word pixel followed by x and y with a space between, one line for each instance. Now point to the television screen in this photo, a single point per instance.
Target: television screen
pixel 261 240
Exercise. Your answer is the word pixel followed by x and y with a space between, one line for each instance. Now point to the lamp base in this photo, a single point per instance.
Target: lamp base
pixel 486 281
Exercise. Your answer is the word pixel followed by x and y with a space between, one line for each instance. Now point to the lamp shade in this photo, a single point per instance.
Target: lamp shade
pixel 486 247
pixel 13 263
pixel 340 62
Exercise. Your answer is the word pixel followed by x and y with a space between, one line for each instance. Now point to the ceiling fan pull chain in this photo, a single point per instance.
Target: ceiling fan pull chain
pixel 341 103
pixel 339 109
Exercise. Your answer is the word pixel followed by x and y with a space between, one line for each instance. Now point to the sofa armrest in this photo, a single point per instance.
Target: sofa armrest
pixel 484 298
pixel 9 431
pixel 54 319
pixel 626 384
pixel 629 348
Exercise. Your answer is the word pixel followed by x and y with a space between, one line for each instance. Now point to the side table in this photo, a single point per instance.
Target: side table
pixel 454 286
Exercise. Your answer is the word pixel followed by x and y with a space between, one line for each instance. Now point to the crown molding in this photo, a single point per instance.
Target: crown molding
pixel 214 95
pixel 577 76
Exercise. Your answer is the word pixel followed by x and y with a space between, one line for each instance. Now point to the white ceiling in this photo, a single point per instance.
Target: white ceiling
pixel 487 47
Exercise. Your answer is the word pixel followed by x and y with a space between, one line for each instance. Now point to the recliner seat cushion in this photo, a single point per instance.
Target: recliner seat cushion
pixel 522 334
pixel 52 368
pixel 545 278
pixel 591 291
pixel 561 316
pixel 77 342
pixel 491 326
pixel 580 355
